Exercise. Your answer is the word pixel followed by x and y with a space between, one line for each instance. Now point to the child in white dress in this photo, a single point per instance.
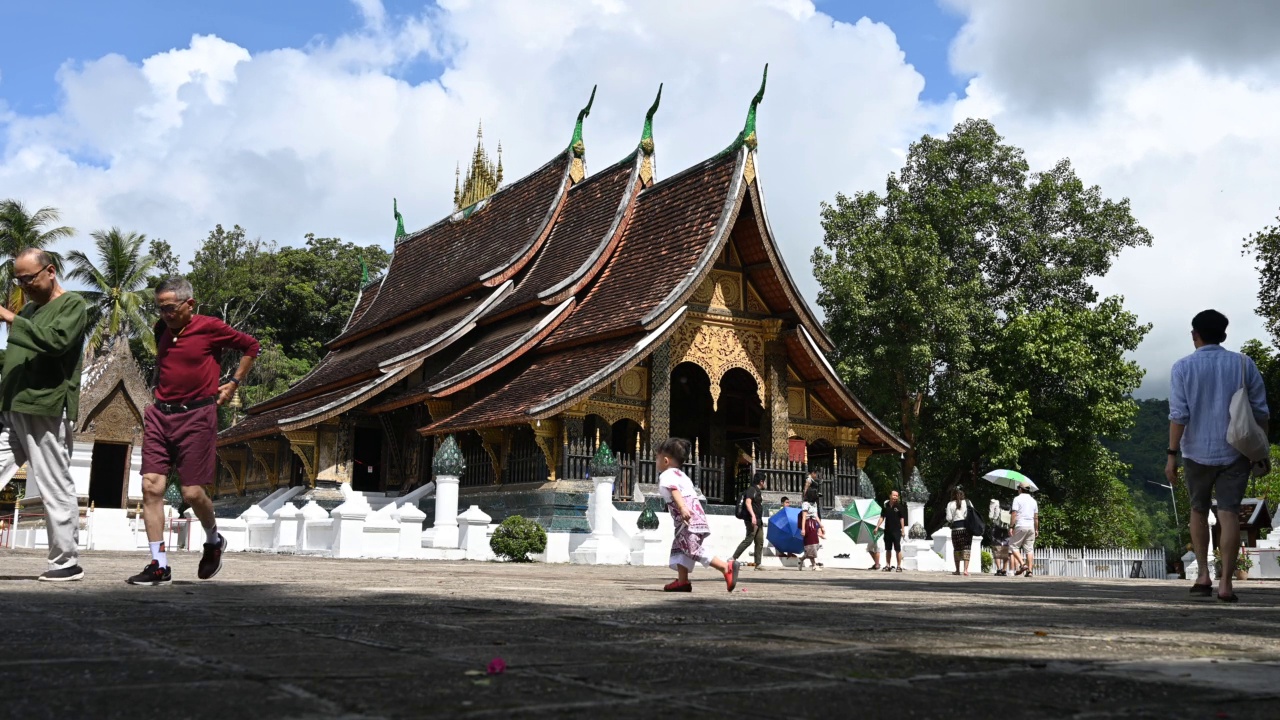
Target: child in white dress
pixel 691 528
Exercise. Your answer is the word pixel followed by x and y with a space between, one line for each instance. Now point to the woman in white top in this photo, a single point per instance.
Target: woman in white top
pixel 961 542
pixel 691 528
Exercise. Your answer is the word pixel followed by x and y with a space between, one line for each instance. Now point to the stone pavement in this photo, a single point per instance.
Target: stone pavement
pixel 290 637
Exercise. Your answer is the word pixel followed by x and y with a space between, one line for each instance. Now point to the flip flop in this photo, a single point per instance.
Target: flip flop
pixel 1232 598
pixel 1202 590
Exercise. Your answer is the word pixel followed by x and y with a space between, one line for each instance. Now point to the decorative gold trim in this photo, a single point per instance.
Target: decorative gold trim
pixel 863 456
pixel 303 444
pixel 810 432
pixel 266 454
pixel 235 460
pixel 749 172
pixel 546 433
pixel 717 348
pixel 613 412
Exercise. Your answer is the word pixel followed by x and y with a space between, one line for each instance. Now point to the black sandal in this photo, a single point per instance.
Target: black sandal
pixel 1232 598
pixel 1202 590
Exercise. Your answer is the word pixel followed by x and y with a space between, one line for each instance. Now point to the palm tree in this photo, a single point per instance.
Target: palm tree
pixel 21 229
pixel 117 287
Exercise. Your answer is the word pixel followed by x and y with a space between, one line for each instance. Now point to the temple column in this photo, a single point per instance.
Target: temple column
pixel 660 393
pixel 776 410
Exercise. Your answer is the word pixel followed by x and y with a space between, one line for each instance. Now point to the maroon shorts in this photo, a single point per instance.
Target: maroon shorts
pixel 185 441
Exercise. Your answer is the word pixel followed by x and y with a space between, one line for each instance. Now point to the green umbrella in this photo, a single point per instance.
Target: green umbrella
pixel 1009 478
pixel 860 520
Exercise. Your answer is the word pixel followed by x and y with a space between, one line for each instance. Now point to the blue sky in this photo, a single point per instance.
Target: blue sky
pixel 89 29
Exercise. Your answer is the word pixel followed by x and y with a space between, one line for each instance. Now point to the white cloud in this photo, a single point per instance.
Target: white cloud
pixel 1161 107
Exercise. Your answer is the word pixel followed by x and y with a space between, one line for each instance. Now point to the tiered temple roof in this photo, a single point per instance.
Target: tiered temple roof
pixel 526 302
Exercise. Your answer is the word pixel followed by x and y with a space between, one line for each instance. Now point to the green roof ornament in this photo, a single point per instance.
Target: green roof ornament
pixel 648 519
pixel 395 208
pixel 865 488
pixel 448 459
pixel 575 143
pixel 603 464
pixel 917 491
pixel 646 137
pixel 748 135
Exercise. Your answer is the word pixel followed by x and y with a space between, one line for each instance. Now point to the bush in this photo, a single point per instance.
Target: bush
pixel 517 538
pixel 987 561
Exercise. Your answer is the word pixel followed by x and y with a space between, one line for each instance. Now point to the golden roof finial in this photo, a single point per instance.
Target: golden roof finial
pixel 482 179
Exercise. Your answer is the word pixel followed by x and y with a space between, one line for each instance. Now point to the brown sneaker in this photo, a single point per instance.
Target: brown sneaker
pixel 211 561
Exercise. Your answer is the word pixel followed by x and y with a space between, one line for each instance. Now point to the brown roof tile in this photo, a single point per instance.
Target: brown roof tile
pixel 263 424
pixel 587 216
pixel 547 377
pixel 350 363
pixel 435 264
pixel 672 225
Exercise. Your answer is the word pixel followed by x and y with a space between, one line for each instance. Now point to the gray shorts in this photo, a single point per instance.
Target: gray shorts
pixel 1231 482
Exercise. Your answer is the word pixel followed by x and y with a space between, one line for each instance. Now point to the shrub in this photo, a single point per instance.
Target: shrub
pixel 517 538
pixel 987 561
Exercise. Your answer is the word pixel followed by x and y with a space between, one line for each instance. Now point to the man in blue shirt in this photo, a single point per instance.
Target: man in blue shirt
pixel 1202 384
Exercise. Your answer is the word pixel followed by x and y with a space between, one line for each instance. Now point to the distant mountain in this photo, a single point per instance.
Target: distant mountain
pixel 1144 451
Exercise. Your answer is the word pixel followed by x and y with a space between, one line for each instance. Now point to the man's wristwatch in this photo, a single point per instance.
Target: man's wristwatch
pixel 232 379
pixel 1172 452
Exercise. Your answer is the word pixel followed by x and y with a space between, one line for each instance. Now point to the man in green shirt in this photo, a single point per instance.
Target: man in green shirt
pixel 40 399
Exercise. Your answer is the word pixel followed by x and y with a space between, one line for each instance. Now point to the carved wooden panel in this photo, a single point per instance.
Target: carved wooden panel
pixel 754 302
pixel 795 402
pixel 720 289
pixel 634 384
pixel 818 412
pixel 116 421
pixel 717 349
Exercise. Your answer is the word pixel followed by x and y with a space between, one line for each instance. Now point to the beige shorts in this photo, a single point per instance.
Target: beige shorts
pixel 1023 540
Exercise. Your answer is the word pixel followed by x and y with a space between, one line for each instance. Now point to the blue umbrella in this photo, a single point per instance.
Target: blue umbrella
pixel 784 530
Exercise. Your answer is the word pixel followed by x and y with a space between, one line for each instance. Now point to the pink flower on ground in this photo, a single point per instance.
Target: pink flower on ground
pixel 497 666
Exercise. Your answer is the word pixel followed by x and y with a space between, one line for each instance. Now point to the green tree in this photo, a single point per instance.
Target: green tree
pixel 20 229
pixel 961 304
pixel 1265 247
pixel 232 277
pixel 293 300
pixel 119 301
pixel 1268 362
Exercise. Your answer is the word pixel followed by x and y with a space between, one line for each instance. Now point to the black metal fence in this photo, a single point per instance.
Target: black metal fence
pixel 710 473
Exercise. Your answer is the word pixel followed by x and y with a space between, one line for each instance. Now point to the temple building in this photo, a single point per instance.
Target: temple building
pixel 560 310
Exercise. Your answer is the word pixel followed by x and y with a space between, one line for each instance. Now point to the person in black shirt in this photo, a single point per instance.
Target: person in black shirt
pixel 755 518
pixel 893 518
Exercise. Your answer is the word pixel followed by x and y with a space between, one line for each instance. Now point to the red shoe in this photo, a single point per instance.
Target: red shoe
pixel 731 575
pixel 677 586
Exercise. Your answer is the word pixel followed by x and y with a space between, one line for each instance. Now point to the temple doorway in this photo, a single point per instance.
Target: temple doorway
pixel 691 413
pixel 109 474
pixel 366 456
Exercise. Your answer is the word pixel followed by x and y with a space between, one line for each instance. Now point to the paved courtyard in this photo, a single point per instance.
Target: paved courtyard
pixel 289 637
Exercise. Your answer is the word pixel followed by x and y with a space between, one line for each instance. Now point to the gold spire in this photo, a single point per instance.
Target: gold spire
pixel 483 177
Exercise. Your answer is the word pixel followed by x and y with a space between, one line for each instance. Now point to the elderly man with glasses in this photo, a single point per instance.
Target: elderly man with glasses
pixel 180 430
pixel 40 399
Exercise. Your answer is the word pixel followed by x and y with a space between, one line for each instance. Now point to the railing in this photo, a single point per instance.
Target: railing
pixel 524 465
pixel 479 469
pixel 1115 563
pixel 706 471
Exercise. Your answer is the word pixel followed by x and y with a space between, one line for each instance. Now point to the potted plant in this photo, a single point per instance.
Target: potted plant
pixel 1243 564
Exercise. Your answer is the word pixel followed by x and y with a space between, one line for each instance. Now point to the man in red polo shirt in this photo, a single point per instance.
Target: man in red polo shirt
pixel 181 427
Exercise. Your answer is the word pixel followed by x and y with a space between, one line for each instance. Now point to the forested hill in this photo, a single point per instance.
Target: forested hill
pixel 1144 451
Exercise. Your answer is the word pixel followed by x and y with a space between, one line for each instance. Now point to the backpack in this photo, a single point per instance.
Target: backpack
pixel 741 511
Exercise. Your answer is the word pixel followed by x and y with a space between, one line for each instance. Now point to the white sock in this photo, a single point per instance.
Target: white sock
pixel 211 534
pixel 158 554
